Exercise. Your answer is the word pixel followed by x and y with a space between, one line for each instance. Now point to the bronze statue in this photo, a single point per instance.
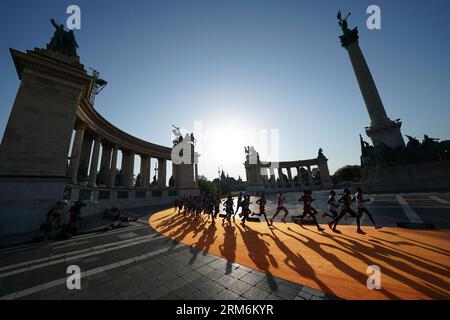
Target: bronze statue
pixel 63 41
pixel 349 35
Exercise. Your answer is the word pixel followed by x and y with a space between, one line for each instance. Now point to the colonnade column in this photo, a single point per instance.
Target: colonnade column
pixel 289 174
pixel 299 176
pixel 94 162
pixel 106 156
pixel 310 180
pixel 145 171
pixel 280 174
pixel 128 168
pixel 112 169
pixel 76 152
pixel 161 173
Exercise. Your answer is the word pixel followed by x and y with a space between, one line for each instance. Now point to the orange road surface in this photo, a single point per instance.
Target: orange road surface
pixel 414 264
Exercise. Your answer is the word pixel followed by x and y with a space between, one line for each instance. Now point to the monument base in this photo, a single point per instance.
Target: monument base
pixel 421 177
pixel 389 133
pixel 24 202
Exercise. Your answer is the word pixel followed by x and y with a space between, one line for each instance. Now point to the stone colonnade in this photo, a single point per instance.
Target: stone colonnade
pixel 264 173
pixel 81 156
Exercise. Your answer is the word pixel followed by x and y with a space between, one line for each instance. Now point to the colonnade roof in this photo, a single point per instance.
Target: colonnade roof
pixel 98 125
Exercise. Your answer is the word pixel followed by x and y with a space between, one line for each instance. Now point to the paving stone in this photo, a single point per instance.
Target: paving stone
pixel 313 292
pixel 225 280
pixel 198 283
pixel 237 273
pixel 286 292
pixel 131 293
pixel 251 278
pixel 239 287
pixel 211 288
pixel 191 276
pixel 215 274
pixel 304 295
pixel 165 275
pixel 169 296
pixel 226 295
pixel 175 283
pixel 102 291
pixel 157 292
pixel 273 297
pixel 141 297
pixel 255 293
pixel 218 264
pixel 180 269
pixel 204 269
pixel 268 284
pixel 135 269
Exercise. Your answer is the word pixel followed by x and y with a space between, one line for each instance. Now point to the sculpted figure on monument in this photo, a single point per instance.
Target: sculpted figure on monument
pixel 252 157
pixel 63 41
pixel 349 35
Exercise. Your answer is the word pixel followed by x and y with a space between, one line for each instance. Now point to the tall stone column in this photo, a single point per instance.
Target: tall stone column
pixel 76 152
pixel 310 179
pixel 196 174
pixel 382 129
pixel 145 171
pixel 92 182
pixel 128 168
pixel 272 174
pixel 289 174
pixel 325 174
pixel 113 168
pixel 105 162
pixel 280 174
pixel 161 173
pixel 85 155
pixel 299 176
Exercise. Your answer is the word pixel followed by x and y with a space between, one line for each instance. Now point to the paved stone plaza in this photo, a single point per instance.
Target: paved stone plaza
pixel 136 262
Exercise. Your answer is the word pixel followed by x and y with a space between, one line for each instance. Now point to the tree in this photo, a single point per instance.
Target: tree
pixel 206 186
pixel 347 173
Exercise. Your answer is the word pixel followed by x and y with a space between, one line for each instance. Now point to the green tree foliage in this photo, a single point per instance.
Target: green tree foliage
pixel 206 186
pixel 347 173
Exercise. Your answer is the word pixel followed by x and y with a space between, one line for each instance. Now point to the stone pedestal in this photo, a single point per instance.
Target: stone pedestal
pixel 382 129
pixel 36 142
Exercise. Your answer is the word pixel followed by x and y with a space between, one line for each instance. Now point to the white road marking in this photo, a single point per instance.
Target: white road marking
pixel 410 213
pixel 80 254
pixel 54 283
pixel 76 238
pixel 70 245
pixel 440 200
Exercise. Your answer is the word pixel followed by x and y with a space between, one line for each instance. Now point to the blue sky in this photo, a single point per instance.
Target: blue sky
pixel 258 64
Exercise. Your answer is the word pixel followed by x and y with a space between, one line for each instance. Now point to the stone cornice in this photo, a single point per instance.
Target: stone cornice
pixel 53 68
pixel 114 136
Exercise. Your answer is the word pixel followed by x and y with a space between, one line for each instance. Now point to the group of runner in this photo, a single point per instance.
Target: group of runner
pixel 210 205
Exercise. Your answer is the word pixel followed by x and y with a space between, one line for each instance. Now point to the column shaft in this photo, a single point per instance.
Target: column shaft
pixel 367 86
pixel 145 171
pixel 128 168
pixel 76 153
pixel 113 168
pixel 94 163
pixel 161 173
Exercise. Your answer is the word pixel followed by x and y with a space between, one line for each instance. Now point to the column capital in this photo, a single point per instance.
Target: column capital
pixel 80 125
